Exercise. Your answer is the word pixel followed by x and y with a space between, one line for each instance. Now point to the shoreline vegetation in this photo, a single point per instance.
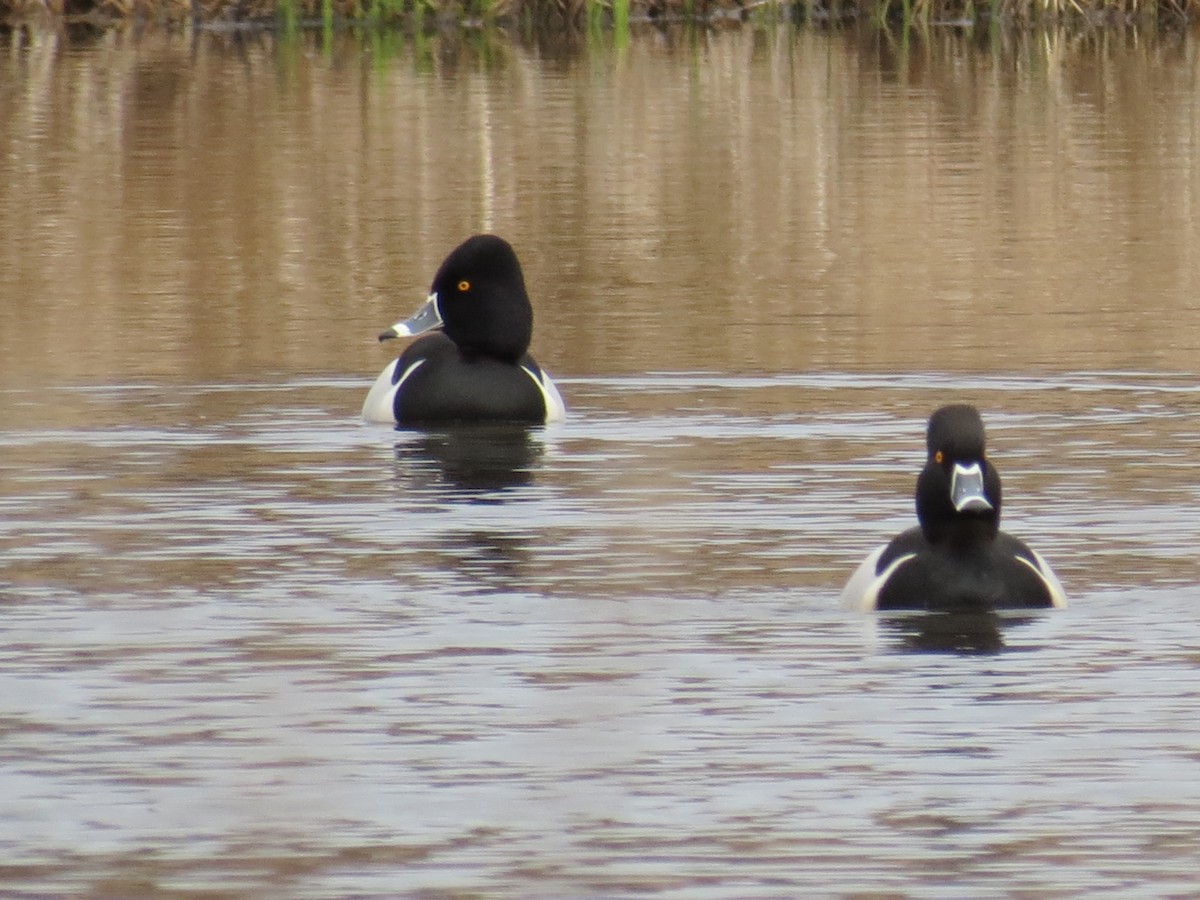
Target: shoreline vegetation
pixel 571 15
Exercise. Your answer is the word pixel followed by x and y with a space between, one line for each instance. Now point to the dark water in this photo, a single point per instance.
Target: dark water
pixel 250 646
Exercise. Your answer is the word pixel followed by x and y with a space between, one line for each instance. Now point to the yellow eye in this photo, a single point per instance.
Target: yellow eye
pixel 464 285
pixel 937 457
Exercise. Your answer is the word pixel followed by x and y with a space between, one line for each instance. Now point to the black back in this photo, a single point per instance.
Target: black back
pixel 452 386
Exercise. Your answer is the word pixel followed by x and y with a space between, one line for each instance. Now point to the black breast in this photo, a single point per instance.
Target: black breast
pixel 991 579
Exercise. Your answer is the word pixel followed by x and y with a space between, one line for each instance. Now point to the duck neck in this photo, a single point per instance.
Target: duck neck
pixel 962 534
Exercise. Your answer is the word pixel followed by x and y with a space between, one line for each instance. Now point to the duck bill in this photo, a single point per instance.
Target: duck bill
pixel 427 318
pixel 966 489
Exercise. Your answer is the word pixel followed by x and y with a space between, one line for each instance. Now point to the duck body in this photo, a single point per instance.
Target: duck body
pixel 957 558
pixel 475 365
pixel 909 573
pixel 433 381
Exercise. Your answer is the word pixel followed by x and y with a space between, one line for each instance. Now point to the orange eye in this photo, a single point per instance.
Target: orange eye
pixel 937 457
pixel 464 285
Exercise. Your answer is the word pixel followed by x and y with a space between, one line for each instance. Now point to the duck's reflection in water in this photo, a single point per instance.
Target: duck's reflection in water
pixel 464 471
pixel 965 633
pixel 469 462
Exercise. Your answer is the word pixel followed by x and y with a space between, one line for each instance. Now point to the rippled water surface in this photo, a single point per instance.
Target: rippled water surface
pixel 250 646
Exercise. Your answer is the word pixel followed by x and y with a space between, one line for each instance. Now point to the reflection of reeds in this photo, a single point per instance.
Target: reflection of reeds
pixel 1041 183
pixel 614 13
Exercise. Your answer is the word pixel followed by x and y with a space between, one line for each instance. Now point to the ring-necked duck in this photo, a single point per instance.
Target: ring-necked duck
pixel 958 558
pixel 476 368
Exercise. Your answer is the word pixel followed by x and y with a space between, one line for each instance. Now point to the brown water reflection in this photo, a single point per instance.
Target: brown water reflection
pixel 250 646
pixel 745 201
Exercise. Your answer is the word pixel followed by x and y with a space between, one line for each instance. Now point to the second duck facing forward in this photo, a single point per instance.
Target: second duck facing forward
pixel 956 558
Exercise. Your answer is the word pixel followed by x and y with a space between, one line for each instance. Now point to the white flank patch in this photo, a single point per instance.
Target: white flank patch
pixel 379 407
pixel 1058 597
pixel 862 590
pixel 556 409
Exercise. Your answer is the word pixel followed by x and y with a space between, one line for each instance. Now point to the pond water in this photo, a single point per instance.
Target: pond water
pixel 251 646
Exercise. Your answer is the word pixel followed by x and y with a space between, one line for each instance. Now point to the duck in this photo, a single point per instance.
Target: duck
pixel 956 558
pixel 470 362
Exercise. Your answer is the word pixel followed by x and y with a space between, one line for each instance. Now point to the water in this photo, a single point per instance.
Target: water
pixel 251 646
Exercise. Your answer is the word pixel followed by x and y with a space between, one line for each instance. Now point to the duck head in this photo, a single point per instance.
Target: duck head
pixel 958 490
pixel 478 299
